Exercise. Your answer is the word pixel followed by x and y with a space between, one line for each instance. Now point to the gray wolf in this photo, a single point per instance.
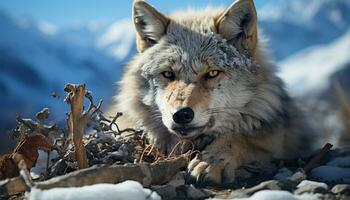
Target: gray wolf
pixel 204 74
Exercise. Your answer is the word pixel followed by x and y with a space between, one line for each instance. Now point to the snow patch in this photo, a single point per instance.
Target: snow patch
pixel 128 190
pixel 279 195
pixel 305 183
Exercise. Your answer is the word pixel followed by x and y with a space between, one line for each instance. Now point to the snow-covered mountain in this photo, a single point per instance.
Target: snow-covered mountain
pixel 291 26
pixel 307 38
pixel 34 63
pixel 115 40
pixel 309 71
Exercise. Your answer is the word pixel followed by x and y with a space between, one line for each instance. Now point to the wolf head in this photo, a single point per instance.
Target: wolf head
pixel 202 72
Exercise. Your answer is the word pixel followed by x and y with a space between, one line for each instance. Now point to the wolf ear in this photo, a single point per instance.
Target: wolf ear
pixel 238 24
pixel 150 24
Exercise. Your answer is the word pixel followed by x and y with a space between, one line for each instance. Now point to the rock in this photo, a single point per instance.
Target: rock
pixel 331 174
pixel 341 189
pixel 290 183
pixel 165 191
pixel 241 193
pixel 297 177
pixel 181 192
pixel 340 162
pixel 251 174
pixel 272 195
pixel 267 185
pixel 283 174
pixel 179 179
pixel 331 197
pixel 311 187
pixel 194 193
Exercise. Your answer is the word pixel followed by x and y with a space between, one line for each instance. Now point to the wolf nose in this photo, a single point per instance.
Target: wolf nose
pixel 183 116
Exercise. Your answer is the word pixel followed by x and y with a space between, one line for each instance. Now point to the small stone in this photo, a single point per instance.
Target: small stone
pixel 307 186
pixel 267 185
pixel 332 197
pixel 179 179
pixel 283 174
pixel 341 189
pixel 243 174
pixel 331 174
pixel 241 193
pixel 291 182
pixel 165 191
pixel 297 177
pixel 194 193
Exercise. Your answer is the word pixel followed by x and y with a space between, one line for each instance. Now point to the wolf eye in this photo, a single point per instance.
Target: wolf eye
pixel 212 74
pixel 168 75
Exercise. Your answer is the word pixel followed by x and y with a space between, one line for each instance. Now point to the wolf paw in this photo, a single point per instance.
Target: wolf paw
pixel 211 170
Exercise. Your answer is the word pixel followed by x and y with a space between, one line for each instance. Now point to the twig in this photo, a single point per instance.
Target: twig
pixel 318 157
pixel 47 162
pixel 38 126
pixel 113 122
pixel 77 121
pixel 24 173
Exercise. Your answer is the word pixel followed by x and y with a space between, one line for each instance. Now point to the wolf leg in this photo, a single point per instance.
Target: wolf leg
pixel 217 163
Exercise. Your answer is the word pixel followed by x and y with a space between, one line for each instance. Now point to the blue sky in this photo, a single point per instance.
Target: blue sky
pixel 70 12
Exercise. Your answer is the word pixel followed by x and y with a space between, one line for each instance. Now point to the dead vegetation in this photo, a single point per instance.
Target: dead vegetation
pixel 134 157
pixel 93 149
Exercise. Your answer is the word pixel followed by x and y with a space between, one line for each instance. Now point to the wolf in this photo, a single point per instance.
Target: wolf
pixel 204 76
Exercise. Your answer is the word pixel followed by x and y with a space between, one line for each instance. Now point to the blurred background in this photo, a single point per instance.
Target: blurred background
pixel 45 44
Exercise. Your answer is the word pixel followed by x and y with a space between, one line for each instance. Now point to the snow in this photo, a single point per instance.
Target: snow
pixel 280 195
pixel 302 12
pixel 128 190
pixel 282 11
pixel 272 195
pixel 53 60
pixel 277 195
pixel 305 183
pixel 309 70
pixel 309 196
pixel 292 26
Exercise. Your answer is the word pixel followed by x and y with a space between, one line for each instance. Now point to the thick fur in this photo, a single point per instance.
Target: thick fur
pixel 244 111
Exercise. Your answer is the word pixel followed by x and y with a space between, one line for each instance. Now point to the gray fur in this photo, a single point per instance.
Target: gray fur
pixel 250 100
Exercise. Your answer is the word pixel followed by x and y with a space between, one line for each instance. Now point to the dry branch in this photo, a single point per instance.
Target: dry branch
pixel 12 186
pixel 318 157
pixel 147 174
pixel 77 121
